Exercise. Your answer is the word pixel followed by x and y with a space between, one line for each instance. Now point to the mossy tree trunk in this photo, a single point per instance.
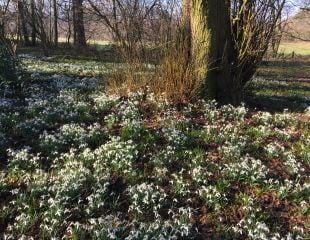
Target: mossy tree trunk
pixel 212 50
pixel 229 39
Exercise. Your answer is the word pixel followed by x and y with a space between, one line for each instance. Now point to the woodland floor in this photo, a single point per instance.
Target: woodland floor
pixel 76 163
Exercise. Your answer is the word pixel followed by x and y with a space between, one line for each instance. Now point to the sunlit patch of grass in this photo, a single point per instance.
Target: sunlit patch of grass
pixel 298 47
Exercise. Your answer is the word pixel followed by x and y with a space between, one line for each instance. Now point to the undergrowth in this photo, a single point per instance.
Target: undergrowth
pixel 172 76
pixel 77 163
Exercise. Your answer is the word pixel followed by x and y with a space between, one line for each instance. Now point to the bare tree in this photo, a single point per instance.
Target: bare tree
pixel 22 8
pixel 129 22
pixel 229 40
pixel 55 10
pixel 65 17
pixel 78 23
pixel 33 22
pixel 4 7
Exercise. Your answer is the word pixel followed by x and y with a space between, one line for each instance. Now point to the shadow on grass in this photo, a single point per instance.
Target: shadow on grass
pixel 274 97
pixel 278 104
pixel 294 87
pixel 281 84
pixel 285 70
pixel 301 61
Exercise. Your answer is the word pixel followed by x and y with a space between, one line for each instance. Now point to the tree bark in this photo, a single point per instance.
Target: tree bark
pixel 23 22
pixel 228 42
pixel 212 50
pixel 55 23
pixel 33 23
pixel 78 24
pixel 2 33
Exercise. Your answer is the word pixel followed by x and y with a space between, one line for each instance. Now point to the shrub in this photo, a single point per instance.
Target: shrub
pixel 172 77
pixel 8 66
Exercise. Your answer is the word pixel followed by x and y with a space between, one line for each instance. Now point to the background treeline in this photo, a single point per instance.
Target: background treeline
pixel 131 23
pixel 77 21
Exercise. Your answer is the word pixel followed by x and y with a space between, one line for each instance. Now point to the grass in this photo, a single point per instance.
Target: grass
pixel 68 66
pixel 103 53
pixel 282 83
pixel 289 69
pixel 276 96
pixel 101 43
pixel 299 48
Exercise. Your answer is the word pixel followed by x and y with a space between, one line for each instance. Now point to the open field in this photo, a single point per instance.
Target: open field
pixel 77 163
pixel 298 47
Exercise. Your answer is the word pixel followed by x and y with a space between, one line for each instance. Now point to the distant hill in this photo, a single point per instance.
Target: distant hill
pixel 299 26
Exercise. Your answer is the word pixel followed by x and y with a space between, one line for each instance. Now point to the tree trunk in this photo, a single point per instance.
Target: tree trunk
pixel 2 22
pixel 78 24
pixel 68 18
pixel 212 49
pixel 23 22
pixel 2 33
pixel 33 23
pixel 55 23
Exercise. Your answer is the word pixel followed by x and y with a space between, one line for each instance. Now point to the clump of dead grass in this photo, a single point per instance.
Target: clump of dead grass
pixel 172 78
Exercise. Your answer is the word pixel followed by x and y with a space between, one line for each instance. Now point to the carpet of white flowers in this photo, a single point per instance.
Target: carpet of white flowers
pixel 79 164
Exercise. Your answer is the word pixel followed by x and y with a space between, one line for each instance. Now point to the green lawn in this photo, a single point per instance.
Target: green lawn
pixel 299 48
pixel 280 84
pixel 293 70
